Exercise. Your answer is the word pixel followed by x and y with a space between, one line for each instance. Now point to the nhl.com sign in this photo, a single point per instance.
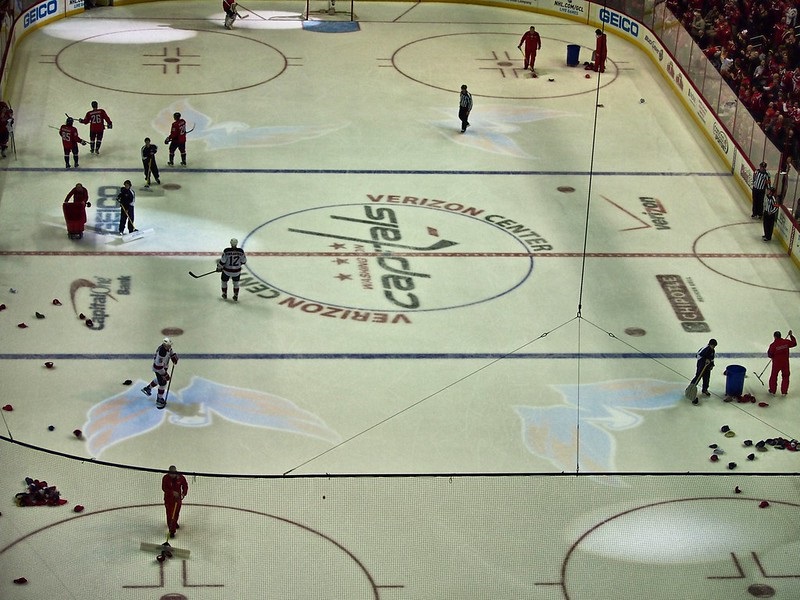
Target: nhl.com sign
pixel 40 12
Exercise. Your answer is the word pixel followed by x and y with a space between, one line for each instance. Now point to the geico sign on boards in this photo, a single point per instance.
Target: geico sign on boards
pixel 39 12
pixel 619 21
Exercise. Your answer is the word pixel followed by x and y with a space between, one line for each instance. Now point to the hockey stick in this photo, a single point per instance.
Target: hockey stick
pixel 166 393
pixel 192 129
pixel 13 146
pixel 758 375
pixel 203 275
pixel 251 12
pixel 70 117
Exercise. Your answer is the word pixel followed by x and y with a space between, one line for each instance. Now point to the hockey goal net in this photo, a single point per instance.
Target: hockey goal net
pixel 330 10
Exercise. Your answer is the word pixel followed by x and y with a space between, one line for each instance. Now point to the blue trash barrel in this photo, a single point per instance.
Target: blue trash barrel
pixel 573 54
pixel 734 382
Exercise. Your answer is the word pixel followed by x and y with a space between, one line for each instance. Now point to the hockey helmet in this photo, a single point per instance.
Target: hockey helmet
pixel 70 121
pixel 234 242
pixel 167 342
pixel 94 104
pixel 176 115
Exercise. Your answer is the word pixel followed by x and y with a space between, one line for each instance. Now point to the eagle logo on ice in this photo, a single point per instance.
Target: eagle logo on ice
pixel 235 134
pixel 130 414
pixel 550 432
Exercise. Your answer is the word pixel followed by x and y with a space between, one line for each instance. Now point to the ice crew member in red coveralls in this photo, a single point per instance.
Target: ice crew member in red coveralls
pixel 532 43
pixel 70 140
pixel 778 351
pixel 175 488
pixel 600 53
pixel 6 123
pixel 161 359
pixel 97 120
pixel 177 139
pixel 79 195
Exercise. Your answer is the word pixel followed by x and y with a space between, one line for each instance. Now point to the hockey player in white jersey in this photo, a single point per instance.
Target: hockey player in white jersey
pixel 161 359
pixel 230 265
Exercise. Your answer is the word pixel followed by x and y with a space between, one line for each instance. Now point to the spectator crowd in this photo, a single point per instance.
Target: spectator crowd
pixel 754 45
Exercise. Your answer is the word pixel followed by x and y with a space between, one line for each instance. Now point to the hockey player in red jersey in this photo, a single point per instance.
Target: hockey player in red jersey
pixel 161 359
pixel 533 42
pixel 778 351
pixel 70 140
pixel 230 13
pixel 97 120
pixel 6 125
pixel 177 139
pixel 230 265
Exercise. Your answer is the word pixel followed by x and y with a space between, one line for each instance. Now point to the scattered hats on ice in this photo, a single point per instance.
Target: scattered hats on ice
pixel 56 302
pixel 49 364
pixel 730 434
pixel 51 428
pixel 22 325
pixel 89 323
pixel 748 442
pixel 39 315
pixel 751 457
pixel 736 490
pixel 77 433
pixel 81 316
pixel 714 458
pixel 724 428
pixel 127 382
pixel 763 504
pixel 20 581
pixel 78 508
pixel 731 465
pixel 2 306
pixel 8 408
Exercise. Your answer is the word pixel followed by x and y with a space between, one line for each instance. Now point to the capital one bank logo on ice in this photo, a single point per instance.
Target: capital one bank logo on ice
pixel 383 260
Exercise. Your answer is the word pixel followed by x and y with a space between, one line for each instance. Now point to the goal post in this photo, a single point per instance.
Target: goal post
pixel 330 10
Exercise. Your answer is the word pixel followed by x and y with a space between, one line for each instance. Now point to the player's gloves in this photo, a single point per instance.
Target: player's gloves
pixel 166 141
pixel 88 204
pixel 83 142
pixel 175 359
pixel 110 125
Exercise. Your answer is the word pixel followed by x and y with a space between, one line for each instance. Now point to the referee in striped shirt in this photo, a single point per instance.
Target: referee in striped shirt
pixel 464 107
pixel 761 181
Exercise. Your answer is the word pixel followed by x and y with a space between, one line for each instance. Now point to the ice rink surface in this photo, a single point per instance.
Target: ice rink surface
pixel 524 298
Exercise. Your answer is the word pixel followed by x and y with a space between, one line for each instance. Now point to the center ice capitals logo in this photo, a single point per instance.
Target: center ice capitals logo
pixel 393 255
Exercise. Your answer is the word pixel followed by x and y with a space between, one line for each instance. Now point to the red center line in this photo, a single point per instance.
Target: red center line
pixel 772 255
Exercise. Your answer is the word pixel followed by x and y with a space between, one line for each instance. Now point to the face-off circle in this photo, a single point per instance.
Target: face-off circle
pixel 151 59
pixel 387 258
pixel 304 562
pixel 716 547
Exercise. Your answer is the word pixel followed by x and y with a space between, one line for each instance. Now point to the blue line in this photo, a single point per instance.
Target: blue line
pixel 389 356
pixel 381 172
